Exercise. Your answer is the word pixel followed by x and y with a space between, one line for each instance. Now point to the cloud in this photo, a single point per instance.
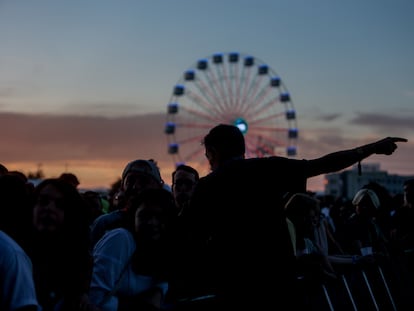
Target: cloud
pixel 96 148
pixel 6 92
pixel 385 122
pixel 329 117
pixel 48 137
pixel 108 108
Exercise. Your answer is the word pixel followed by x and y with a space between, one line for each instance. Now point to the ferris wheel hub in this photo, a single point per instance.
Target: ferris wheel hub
pixel 241 124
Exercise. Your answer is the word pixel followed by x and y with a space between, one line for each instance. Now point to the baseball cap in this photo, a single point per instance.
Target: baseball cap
pixel 147 167
pixel 362 194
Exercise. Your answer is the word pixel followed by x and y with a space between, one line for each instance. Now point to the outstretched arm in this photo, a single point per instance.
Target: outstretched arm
pixel 339 160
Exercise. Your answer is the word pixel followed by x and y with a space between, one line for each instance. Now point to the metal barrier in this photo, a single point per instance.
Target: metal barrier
pixel 356 288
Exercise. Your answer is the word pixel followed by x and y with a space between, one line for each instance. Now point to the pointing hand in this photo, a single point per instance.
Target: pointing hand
pixel 387 145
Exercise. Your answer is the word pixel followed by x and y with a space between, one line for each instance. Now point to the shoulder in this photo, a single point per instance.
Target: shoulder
pixel 116 240
pixel 277 160
pixel 269 163
pixel 118 234
pixel 7 244
pixel 105 218
pixel 9 249
pixel 16 274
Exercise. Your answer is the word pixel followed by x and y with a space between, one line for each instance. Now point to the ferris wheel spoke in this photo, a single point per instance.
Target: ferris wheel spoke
pixel 265 118
pixel 191 139
pixel 220 78
pixel 269 137
pixel 253 94
pixel 268 108
pixel 227 81
pixel 214 85
pixel 189 112
pixel 210 97
pixel 246 82
pixel 248 89
pixel 194 154
pixel 234 79
pixel 202 103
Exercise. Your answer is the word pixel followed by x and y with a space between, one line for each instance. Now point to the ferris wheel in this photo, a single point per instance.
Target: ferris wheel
pixel 231 88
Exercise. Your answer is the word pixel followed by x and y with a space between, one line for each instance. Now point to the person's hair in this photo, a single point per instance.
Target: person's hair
pixel 3 169
pixel 227 140
pixel 147 167
pixel 366 196
pixel 186 168
pixel 15 208
pixel 19 174
pixel 70 178
pixel 75 235
pixel 76 220
pixel 409 182
pixel 157 196
pixel 299 205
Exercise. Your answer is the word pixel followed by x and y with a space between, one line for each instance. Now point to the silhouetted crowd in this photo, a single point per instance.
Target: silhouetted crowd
pixel 247 235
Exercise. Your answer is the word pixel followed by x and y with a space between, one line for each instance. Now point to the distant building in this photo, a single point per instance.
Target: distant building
pixel 346 183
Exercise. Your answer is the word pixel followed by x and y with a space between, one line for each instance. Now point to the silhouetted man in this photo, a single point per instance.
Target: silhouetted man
pixel 240 250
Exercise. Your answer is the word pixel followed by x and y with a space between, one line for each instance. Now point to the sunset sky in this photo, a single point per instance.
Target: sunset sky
pixel 84 85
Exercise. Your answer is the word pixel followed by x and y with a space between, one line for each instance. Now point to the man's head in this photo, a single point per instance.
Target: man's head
pixel 139 175
pixel 184 180
pixel 70 178
pixel 224 142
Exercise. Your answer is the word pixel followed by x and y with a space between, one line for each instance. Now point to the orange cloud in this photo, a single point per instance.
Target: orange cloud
pixel 96 149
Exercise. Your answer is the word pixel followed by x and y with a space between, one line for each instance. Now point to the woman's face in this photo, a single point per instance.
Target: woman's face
pixel 48 211
pixel 150 222
pixel 365 208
